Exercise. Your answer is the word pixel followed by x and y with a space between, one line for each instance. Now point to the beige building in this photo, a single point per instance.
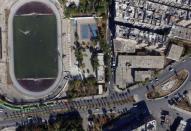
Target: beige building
pixel 125 74
pixel 180 32
pixel 124 45
pixel 175 52
pixel 123 77
pixel 148 62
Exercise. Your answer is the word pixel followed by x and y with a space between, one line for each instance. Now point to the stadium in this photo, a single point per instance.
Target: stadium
pixel 35 63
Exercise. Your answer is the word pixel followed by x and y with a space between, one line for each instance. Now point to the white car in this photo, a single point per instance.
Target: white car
pixel 171 69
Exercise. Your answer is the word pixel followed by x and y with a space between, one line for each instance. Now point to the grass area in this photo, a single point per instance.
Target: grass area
pixel 35 53
pixel 86 7
pixel 101 119
pixel 81 88
pixel 70 121
pixel 178 79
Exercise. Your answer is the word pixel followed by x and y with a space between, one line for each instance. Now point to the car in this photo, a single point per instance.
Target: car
pixel 185 92
pixel 171 69
pixel 156 79
pixel 151 81
pixel 97 109
pixel 166 97
pixel 170 102
pixel 164 112
pixel 183 60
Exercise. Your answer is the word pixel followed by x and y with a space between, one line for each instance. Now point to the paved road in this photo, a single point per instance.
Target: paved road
pixel 115 101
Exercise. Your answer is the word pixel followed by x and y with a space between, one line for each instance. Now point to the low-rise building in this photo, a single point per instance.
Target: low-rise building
pixel 101 69
pixel 175 52
pixel 123 77
pixel 182 126
pixel 148 62
pixel 100 89
pixel 180 32
pixel 124 45
pixel 125 73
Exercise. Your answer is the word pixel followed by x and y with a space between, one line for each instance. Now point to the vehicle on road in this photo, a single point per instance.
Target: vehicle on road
pixel 185 92
pixel 170 102
pixel 171 69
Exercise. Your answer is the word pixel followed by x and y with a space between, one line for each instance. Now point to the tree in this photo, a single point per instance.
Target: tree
pixel 94 61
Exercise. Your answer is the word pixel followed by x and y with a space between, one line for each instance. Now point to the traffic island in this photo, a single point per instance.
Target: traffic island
pixel 169 86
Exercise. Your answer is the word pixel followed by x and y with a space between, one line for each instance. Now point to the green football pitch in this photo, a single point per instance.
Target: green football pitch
pixel 35 46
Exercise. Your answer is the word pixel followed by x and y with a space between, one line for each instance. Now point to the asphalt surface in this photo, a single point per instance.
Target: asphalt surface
pixel 114 101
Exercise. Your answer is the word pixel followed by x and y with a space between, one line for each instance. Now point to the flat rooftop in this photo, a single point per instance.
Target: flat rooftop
pixel 175 52
pixel 152 62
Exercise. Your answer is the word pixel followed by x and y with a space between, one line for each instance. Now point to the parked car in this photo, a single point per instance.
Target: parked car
pixel 156 79
pixel 185 92
pixel 171 69
pixel 170 102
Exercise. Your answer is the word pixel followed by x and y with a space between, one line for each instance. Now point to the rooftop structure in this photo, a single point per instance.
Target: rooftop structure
pixel 125 73
pixel 100 89
pixel 101 68
pixel 124 45
pixel 142 75
pixel 149 22
pixel 141 38
pixel 123 77
pixel 175 52
pixel 149 62
pixel 180 32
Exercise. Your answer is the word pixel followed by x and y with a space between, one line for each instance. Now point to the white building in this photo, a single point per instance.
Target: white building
pixel 101 69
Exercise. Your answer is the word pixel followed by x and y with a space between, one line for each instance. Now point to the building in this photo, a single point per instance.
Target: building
pixel 124 45
pixel 175 52
pixel 123 77
pixel 149 22
pixel 138 118
pixel 182 126
pixel 142 75
pixel 100 89
pixel 101 69
pixel 126 72
pixel 180 32
pixel 148 62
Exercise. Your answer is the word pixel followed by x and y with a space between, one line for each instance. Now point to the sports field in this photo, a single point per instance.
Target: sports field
pixel 35 46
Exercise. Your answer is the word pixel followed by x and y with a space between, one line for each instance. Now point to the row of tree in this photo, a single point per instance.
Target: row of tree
pixel 70 121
